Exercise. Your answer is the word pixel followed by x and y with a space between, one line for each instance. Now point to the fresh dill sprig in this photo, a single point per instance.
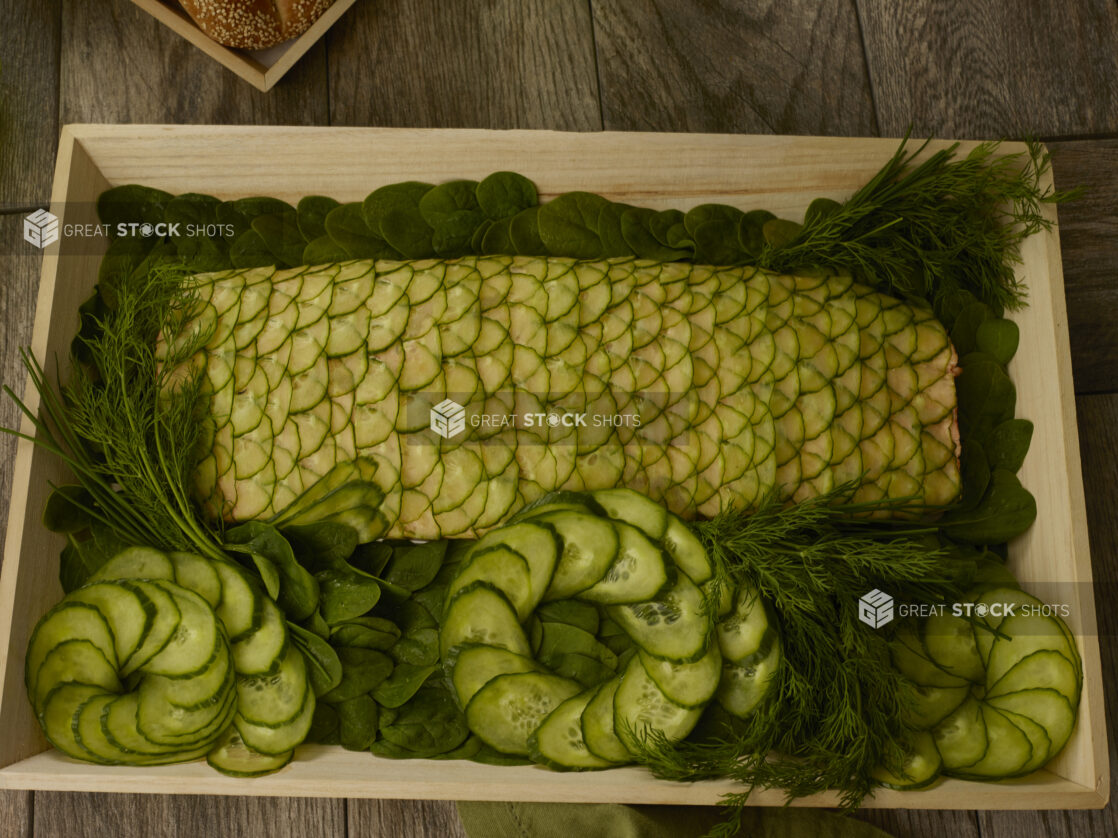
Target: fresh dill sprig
pixel 127 421
pixel 835 710
pixel 932 229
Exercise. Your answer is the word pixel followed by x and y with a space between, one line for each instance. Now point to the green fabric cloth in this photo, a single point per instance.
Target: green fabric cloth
pixel 609 820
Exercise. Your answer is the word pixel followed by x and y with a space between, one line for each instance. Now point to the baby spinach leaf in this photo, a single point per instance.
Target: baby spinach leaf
pixel 998 339
pixel 464 751
pixel 820 209
pixel 974 474
pixel 322 545
pixel 366 632
pixel 316 623
pixel 714 229
pixel 258 205
pixel 402 684
pixel 610 232
pixel 964 331
pixel 357 722
pixel 405 194
pixel 403 227
pixel 324 666
pixel 504 194
pixel 497 237
pixel 324 725
pixel 345 594
pixel 362 671
pixel 249 251
pixel 81 558
pixel 372 557
pixel 451 210
pixel 1009 443
pixel 636 223
pixel 322 251
pixel 298 590
pixel 346 226
pixel 132 204
pixel 587 670
pixel 430 723
pixel 751 232
pixel 524 231
pixel 1006 511
pixel 311 215
pixel 569 225
pixel 779 232
pixel 281 236
pixel 433 598
pixel 67 509
pixel 414 565
pixel 986 396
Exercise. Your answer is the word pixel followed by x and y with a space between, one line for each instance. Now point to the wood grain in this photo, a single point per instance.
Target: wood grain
pixel 59 814
pixel 500 64
pixel 1098 432
pixel 774 67
pixel 987 69
pixel 118 64
pixel 922 823
pixel 16 813
pixel 29 47
pixel 403 819
pixel 1089 240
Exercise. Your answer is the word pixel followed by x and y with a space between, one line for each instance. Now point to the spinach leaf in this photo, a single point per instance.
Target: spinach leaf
pixel 751 232
pixel 357 722
pixel 80 559
pixel 346 226
pixel 281 236
pixel 419 641
pixel 504 194
pixel 362 671
pixel 367 632
pixel 346 594
pixel 323 545
pixel 986 396
pixel 67 509
pixel 574 612
pixel 322 251
pixel 298 591
pixel 610 231
pixel 311 215
pixel 497 237
pixel 568 225
pixel 402 684
pixel 324 725
pixel 524 231
pixel 779 232
pixel 413 566
pixel 132 204
pixel 964 331
pixel 324 666
pixel 998 339
pixel 1006 511
pixel 249 251
pixel 430 723
pixel 452 211
pixel 1009 443
pixel 405 194
pixel 636 228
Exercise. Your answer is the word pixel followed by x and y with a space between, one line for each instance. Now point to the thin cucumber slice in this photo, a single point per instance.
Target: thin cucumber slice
pixel 77 661
pixel 1045 669
pixel 136 563
pixel 743 631
pixel 277 698
pixel 66 621
pixel 506 711
pixel 163 626
pixel 950 643
pixel 120 725
pixel 640 706
pixel 472 667
pixel 913 661
pixel 163 723
pixel 687 551
pixel 558 742
pixel 1038 739
pixel 640 571
pixel 588 546
pixel 961 737
pixel 261 651
pixel 1047 708
pixel 233 757
pixel 196 640
pixel 675 626
pixel 920 769
pixel 597 725
pixel 1007 753
pixel 275 741
pixel 197 574
pixel 539 547
pixel 933 705
pixel 744 685
pixel 687 684
pixel 238 610
pixel 482 614
pixel 1025 634
pixel 58 714
pixel 504 569
pixel 90 733
pixel 629 506
pixel 127 614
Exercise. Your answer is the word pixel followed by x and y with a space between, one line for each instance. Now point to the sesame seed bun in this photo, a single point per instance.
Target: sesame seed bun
pixel 254 24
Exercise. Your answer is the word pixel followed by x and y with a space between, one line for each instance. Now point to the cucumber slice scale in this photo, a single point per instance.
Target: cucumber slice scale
pixel 689 685
pixel 950 643
pixel 640 705
pixel 634 508
pixel 934 704
pixel 131 615
pixel 261 651
pixel 276 741
pixel 537 545
pixel 471 667
pixel 482 614
pixel 76 661
pixel 233 757
pixel 1025 635
pixel 277 698
pixel 675 626
pixel 920 769
pixel 961 737
pixel 164 624
pixel 639 572
pixel 66 621
pixel 597 725
pixel 744 685
pixel 503 568
pixel 588 546
pixel 1046 707
pixel 1008 750
pixel 1042 669
pixel 196 641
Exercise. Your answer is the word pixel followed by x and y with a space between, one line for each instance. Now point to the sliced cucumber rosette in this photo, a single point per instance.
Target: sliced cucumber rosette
pixel 163 658
pixel 997 691
pixel 536 686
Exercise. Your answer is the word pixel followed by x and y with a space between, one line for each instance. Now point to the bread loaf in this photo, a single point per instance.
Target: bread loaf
pixel 254 24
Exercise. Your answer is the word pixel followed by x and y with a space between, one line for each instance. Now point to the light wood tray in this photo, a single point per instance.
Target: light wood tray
pixel 782 174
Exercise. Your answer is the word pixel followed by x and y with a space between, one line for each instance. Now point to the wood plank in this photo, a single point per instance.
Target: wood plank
pixel 1089 241
pixel 119 64
pixel 403 819
pixel 29 43
pixel 427 63
pixel 922 823
pixel 15 813
pixel 182 816
pixel 772 68
pixel 1098 434
pixel 984 69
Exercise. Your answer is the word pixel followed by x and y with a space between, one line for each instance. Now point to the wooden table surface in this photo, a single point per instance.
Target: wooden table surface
pixel 976 69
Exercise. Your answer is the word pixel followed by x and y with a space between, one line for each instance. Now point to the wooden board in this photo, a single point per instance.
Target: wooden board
pixel 659 170
pixel 260 68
